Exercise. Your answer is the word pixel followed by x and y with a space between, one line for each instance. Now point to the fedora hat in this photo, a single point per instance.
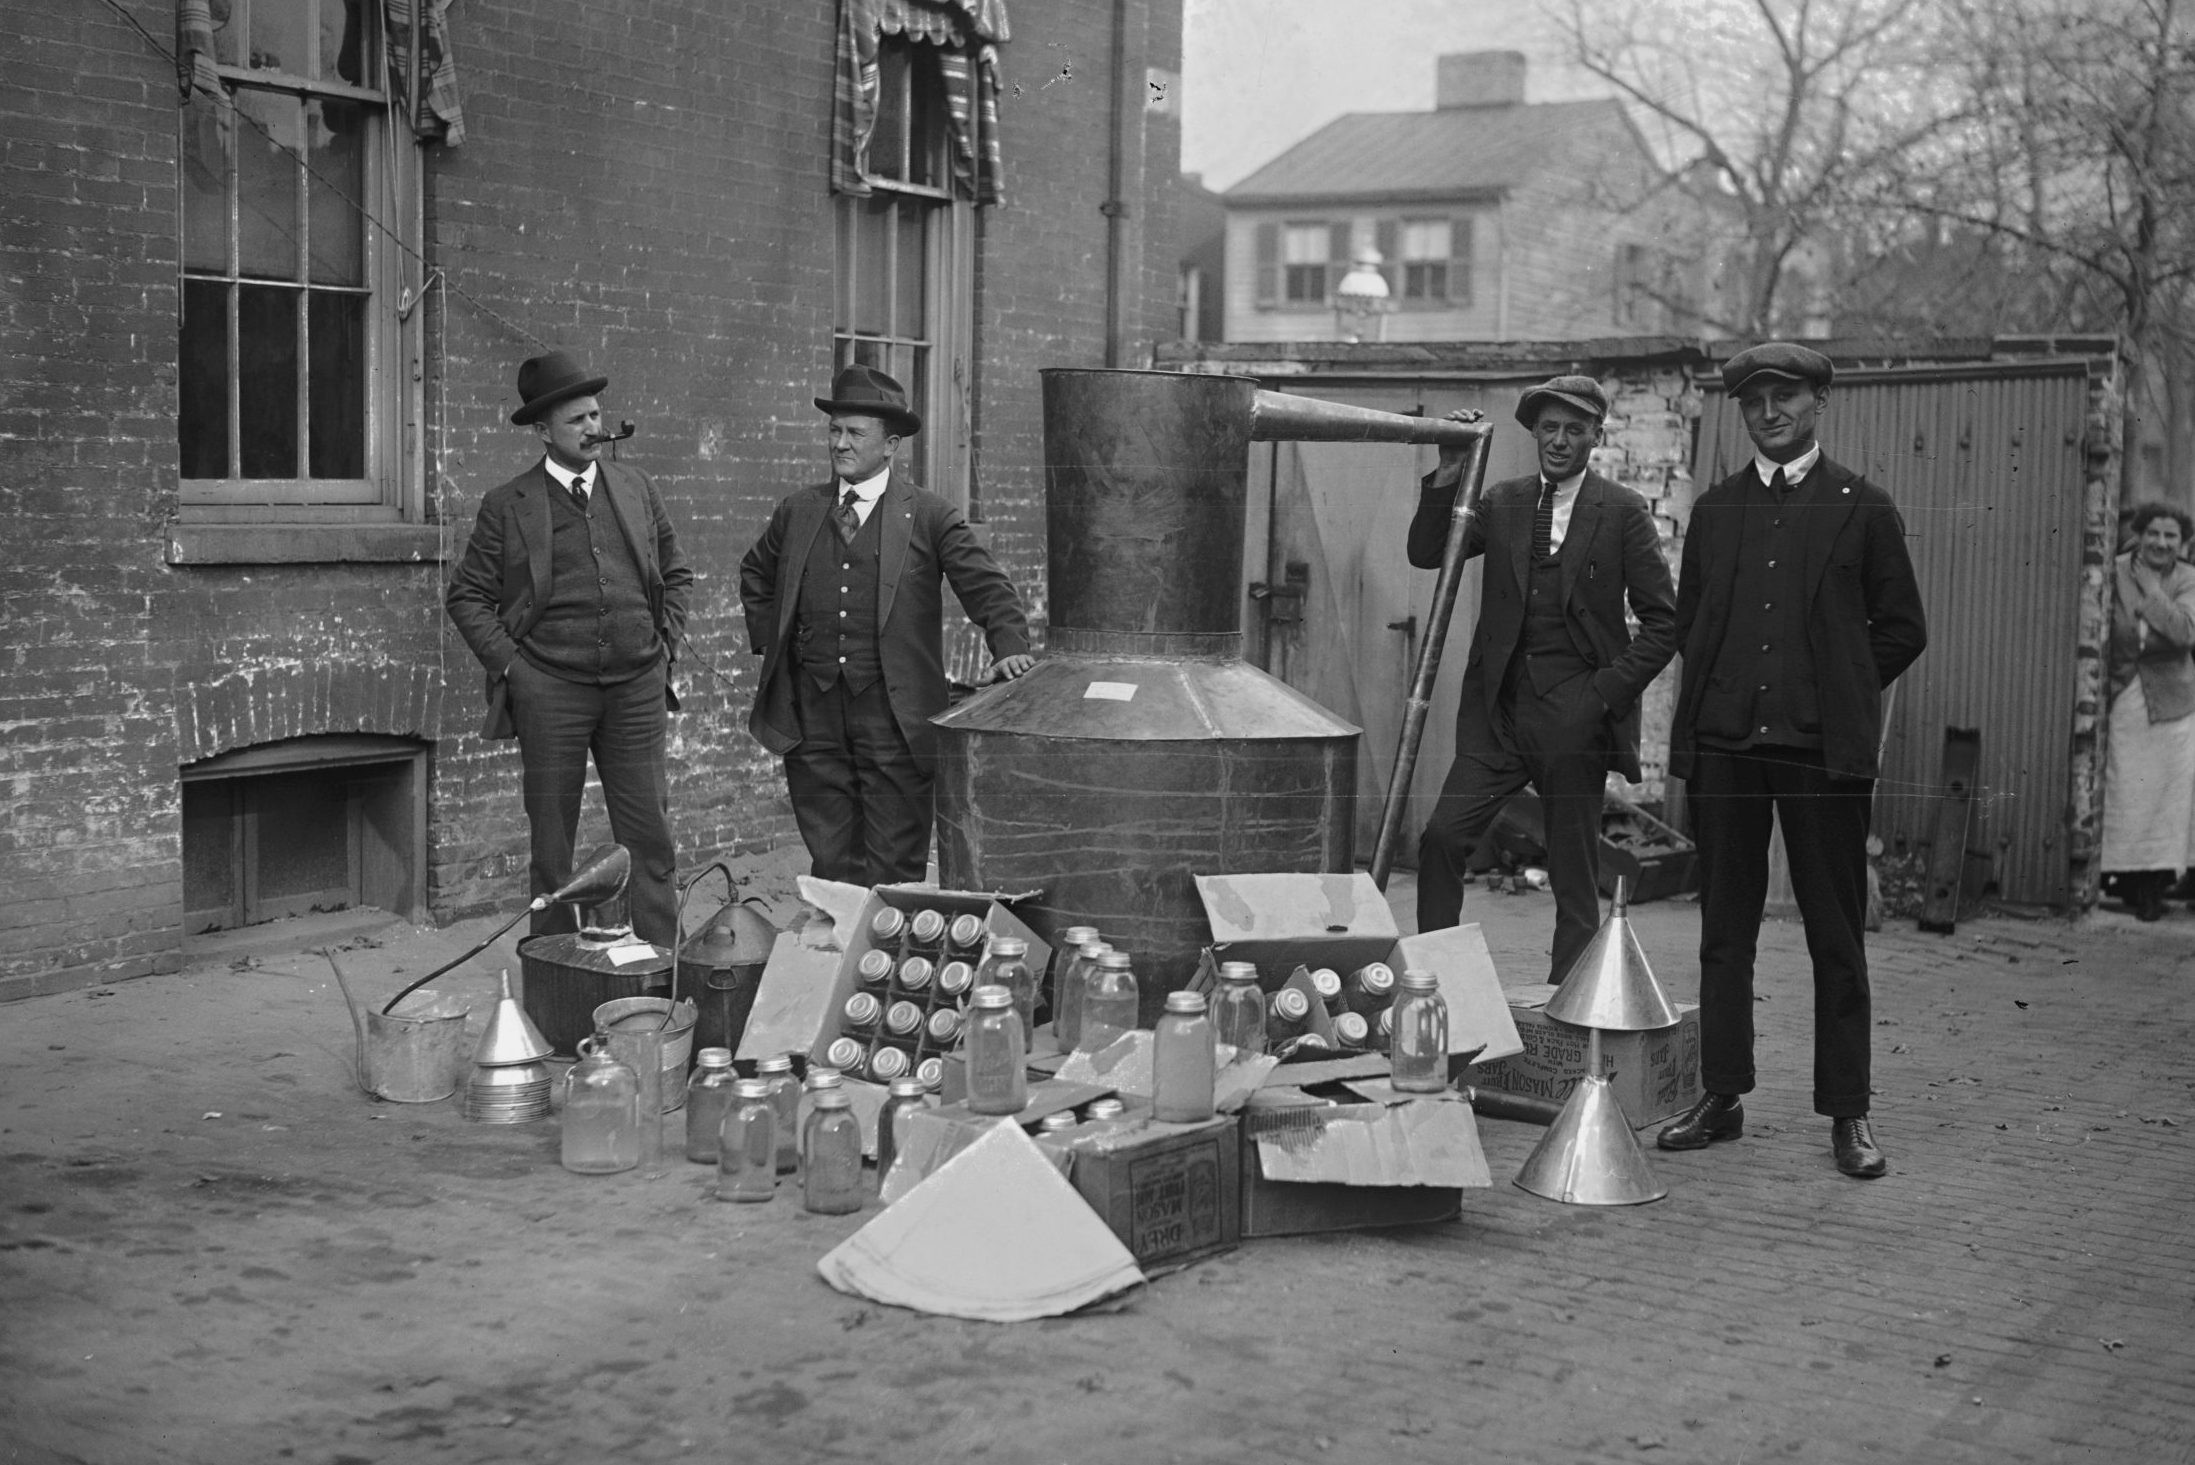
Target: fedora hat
pixel 550 378
pixel 869 392
pixel 1581 392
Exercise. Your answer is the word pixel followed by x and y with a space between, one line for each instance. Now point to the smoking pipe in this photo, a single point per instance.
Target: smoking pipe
pixel 624 431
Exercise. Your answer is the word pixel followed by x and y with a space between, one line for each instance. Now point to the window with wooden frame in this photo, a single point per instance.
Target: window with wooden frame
pixel 296 192
pixel 1299 263
pixel 1427 261
pixel 906 266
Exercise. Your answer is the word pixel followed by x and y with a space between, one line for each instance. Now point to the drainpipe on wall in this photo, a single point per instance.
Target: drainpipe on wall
pixel 1124 181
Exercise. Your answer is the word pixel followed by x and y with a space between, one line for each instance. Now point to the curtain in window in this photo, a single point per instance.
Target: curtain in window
pixel 439 115
pixel 966 33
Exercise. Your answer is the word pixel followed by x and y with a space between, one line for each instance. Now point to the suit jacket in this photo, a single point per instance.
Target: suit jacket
pixel 1864 617
pixel 502 583
pixel 1610 553
pixel 926 545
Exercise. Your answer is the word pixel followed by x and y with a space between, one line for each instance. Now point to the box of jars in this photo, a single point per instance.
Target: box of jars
pixel 935 1135
pixel 891 1001
pixel 1370 1158
pixel 1652 1074
pixel 1170 1192
pixel 1332 941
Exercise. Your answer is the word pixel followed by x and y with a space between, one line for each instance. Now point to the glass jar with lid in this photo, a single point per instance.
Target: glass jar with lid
pixel 998 1080
pixel 1418 1049
pixel 708 1097
pixel 746 1152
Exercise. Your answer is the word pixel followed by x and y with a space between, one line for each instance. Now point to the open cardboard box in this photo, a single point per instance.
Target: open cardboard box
pixel 812 971
pixel 1285 923
pixel 936 1135
pixel 1310 1164
pixel 1653 1074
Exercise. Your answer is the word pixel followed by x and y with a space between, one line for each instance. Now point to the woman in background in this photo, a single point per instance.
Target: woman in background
pixel 2149 789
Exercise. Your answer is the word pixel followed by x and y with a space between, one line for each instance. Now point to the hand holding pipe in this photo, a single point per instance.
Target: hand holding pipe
pixel 596 881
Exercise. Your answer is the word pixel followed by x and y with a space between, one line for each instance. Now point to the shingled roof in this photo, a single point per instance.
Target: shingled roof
pixel 1453 152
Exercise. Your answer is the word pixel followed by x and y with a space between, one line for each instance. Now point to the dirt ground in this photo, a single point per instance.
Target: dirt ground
pixel 214 1248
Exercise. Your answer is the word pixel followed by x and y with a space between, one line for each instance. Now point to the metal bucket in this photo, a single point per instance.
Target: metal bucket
pixel 416 1059
pixel 630 1025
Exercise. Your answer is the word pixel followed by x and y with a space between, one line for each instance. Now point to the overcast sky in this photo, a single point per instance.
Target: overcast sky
pixel 1260 75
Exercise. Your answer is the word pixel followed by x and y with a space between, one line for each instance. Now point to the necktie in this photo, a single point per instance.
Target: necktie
pixel 847 519
pixel 579 491
pixel 1543 523
pixel 1778 484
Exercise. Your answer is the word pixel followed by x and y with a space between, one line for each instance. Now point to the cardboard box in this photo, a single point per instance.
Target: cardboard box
pixel 936 1135
pixel 1170 1192
pixel 1310 1165
pixel 811 972
pixel 1284 922
pixel 1655 1074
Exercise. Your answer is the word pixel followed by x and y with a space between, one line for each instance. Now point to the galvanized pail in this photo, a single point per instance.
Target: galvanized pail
pixel 634 1026
pixel 415 1058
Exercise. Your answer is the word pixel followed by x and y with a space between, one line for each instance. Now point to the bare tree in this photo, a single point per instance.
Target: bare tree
pixel 1793 110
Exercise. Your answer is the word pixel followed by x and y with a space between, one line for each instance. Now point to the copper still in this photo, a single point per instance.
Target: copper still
pixel 1142 750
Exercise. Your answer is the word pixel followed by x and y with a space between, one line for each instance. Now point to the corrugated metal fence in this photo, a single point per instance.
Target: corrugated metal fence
pixel 1985 462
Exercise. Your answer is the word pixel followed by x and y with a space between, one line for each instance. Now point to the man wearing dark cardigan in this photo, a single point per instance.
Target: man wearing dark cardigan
pixel 572 593
pixel 1796 607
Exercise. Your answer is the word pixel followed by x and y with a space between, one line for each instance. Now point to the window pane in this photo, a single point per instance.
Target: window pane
pixel 279 40
pixel 1425 239
pixel 1306 244
pixel 334 186
pixel 266 183
pixel 337 386
pixel 925 121
pixel 266 398
pixel 888 144
pixel 872 265
pixel 914 374
pixel 343 41
pixel 913 269
pixel 206 129
pixel 203 362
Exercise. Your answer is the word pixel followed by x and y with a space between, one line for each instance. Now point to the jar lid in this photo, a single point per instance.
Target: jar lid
pixel 1054 1123
pixel 1290 1003
pixel 1376 976
pixel 1095 947
pixel 751 1088
pixel 888 922
pixel 1417 981
pixel 1191 1002
pixel 775 1063
pixel 843 1053
pixel 967 930
pixel 821 1078
pixel 713 1058
pixel 1327 981
pixel 1114 961
pixel 1009 946
pixel 1238 971
pixel 1076 935
pixel 1105 1109
pixel 908 1088
pixel 930 1073
pixel 954 976
pixel 993 997
pixel 876 964
pixel 928 925
pixel 833 1098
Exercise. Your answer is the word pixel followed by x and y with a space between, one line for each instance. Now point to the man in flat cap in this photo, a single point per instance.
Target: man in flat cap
pixel 1550 692
pixel 1796 607
pixel 844 601
pixel 572 593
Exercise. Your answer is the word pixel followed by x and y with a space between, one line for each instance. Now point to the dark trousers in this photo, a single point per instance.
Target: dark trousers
pixel 861 798
pixel 559 725
pixel 1732 797
pixel 1558 743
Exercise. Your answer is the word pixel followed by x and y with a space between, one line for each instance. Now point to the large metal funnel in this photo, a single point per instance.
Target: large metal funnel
pixel 1589 1156
pixel 1143 751
pixel 1610 986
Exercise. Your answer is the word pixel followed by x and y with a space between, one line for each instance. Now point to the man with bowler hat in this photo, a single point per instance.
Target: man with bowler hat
pixel 844 604
pixel 572 593
pixel 1551 689
pixel 1796 607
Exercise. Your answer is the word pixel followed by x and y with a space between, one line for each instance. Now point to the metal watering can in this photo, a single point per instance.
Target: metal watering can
pixel 410 1058
pixel 721 970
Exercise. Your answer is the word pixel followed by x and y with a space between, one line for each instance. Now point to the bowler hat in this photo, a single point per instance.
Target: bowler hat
pixel 1581 392
pixel 870 393
pixel 550 378
pixel 1777 358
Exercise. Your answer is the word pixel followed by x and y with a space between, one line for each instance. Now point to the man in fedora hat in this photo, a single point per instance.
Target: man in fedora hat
pixel 1551 689
pixel 844 604
pixel 572 593
pixel 1797 606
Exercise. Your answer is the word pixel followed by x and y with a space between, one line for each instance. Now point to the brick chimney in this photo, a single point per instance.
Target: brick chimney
pixel 1479 79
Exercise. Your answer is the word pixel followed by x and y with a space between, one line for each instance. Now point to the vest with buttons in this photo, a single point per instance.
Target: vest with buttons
pixel 1550 656
pixel 598 626
pixel 1761 690
pixel 835 629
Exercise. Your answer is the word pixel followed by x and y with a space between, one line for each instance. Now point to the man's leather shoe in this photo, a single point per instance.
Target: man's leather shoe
pixel 1854 1142
pixel 1714 1117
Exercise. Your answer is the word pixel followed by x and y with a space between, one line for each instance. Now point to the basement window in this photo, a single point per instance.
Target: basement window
pixel 303 825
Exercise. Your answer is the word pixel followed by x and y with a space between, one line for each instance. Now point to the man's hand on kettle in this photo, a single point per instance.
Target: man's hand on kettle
pixel 1006 668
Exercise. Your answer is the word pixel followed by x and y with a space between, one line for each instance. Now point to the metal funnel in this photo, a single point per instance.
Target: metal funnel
pixel 1589 1156
pixel 511 1036
pixel 1610 986
pixel 603 876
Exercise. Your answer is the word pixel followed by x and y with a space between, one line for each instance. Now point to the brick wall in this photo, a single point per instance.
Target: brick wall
pixel 646 189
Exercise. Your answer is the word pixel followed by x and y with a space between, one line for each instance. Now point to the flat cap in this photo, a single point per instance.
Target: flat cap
pixel 1777 358
pixel 1581 392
